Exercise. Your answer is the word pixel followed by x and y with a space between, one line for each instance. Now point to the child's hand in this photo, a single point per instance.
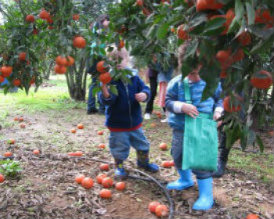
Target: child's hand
pixel 216 116
pixel 190 110
pixel 141 97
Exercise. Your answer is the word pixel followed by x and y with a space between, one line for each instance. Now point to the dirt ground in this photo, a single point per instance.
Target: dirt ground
pixel 46 187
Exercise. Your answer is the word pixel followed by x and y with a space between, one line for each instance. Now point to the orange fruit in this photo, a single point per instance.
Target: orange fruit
pixel 21 119
pixel 60 69
pixel 22 56
pixel 16 119
pixel 166 164
pixel 230 108
pixel 121 44
pixel 244 39
pixel 1 79
pixel 76 154
pixel 79 178
pixel 100 178
pixel 44 14
pixel 202 5
pixel 36 152
pixel 76 17
pixel 11 141
pixel 105 78
pixel 252 216
pixel 70 61
pixel 161 211
pixel 102 146
pixel 35 31
pixel 22 126
pixel 100 67
pixel 30 18
pixel 104 167
pixel 16 82
pixel 6 70
pixel 105 193
pixel 140 3
pixel 107 182
pixel 79 42
pixel 2 178
pixel 100 133
pixel 87 182
pixel 120 186
pixel 181 33
pixel 8 154
pixel 60 60
pixel 152 206
pixel 80 126
pixel 262 80
pixel 163 146
pixel 73 130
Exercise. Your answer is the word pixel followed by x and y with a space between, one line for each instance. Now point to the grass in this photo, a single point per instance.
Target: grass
pixel 55 98
pixel 258 164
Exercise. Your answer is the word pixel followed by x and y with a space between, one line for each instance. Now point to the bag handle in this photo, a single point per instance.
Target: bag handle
pixel 187 91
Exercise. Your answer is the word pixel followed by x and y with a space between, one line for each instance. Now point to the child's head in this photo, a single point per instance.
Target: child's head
pixel 181 54
pixel 103 21
pixel 119 54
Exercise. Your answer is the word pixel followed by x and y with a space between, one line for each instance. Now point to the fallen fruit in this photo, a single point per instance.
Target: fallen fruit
pixel 2 178
pixel 252 216
pixel 79 178
pixel 76 154
pixel 104 167
pixel 80 126
pixel 22 126
pixel 102 146
pixel 73 130
pixel 105 193
pixel 36 152
pixel 152 206
pixel 161 211
pixel 100 178
pixel 107 182
pixel 120 186
pixel 21 119
pixel 87 182
pixel 100 133
pixel 163 146
pixel 8 154
pixel 11 141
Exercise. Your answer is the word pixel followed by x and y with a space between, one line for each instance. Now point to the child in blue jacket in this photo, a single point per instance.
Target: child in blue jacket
pixel 124 117
pixel 178 108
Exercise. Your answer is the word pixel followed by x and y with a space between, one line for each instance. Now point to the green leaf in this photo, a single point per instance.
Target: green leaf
pixel 239 9
pixel 214 24
pixel 250 12
pixel 262 45
pixel 191 49
pixel 113 89
pixel 162 31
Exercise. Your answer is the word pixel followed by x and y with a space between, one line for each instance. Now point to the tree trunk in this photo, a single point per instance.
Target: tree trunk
pixel 76 81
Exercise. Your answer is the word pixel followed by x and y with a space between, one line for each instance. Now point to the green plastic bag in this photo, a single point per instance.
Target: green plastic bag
pixel 200 146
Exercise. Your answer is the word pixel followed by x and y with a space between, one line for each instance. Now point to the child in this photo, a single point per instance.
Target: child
pixel 176 105
pixel 124 117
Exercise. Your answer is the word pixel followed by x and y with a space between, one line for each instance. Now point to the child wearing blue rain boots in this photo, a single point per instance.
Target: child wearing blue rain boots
pixel 124 116
pixel 178 108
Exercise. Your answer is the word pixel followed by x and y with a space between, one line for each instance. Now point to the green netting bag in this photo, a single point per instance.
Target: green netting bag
pixel 200 146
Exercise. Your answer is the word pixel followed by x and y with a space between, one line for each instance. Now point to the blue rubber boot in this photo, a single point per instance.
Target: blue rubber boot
pixel 143 162
pixel 205 200
pixel 120 171
pixel 185 181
